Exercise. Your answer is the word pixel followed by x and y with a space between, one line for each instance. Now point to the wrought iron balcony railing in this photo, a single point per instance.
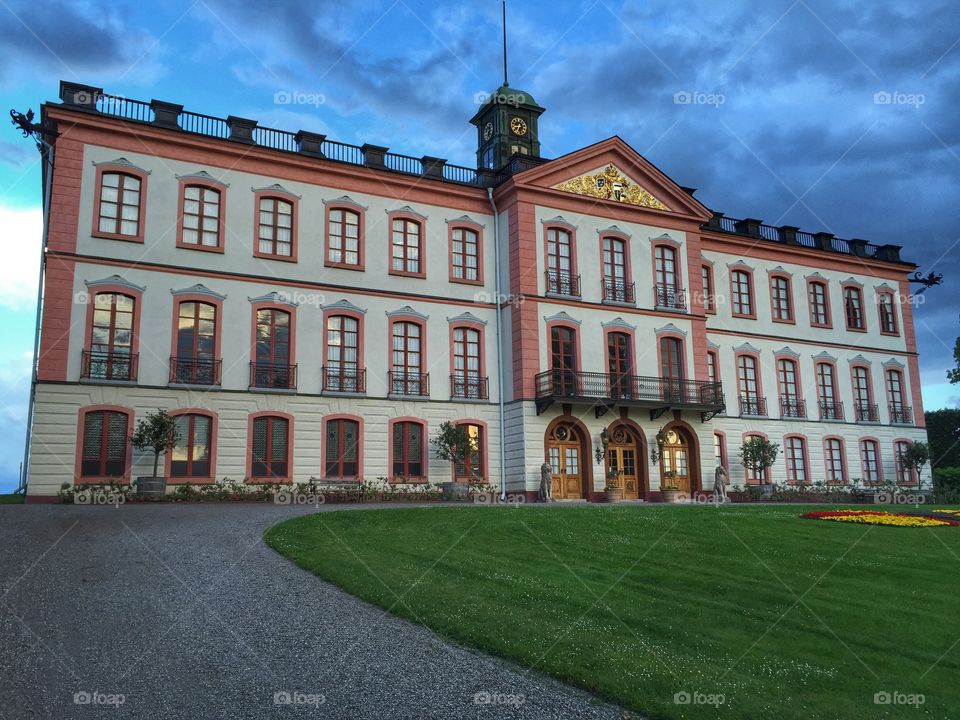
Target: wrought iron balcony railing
pixel 563 283
pixel 573 384
pixel 831 410
pixel 194 371
pixel 99 365
pixel 673 298
pixel 792 407
pixel 468 387
pixel 901 414
pixel 867 412
pixel 273 375
pixel 753 405
pixel 615 290
pixel 404 383
pixel 342 379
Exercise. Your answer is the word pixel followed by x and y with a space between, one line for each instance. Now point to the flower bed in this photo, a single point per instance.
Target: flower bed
pixel 881 517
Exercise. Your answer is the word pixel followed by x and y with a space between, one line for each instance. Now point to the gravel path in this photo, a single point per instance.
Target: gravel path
pixel 181 611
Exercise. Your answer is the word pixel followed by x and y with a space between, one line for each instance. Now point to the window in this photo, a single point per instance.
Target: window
pixel 905 475
pixel 104 451
pixel 795 453
pixel 833 452
pixel 819 305
pixel 201 216
pixel 666 274
pixel 272 367
pixel 853 307
pixel 719 449
pixel 755 474
pixel 888 313
pixel 342 371
pixel 790 403
pixel 111 356
pixel 342 452
pixel 862 395
pixel 620 364
pixel 465 255
pixel 561 267
pixel 407 359
pixel 407 450
pixel 671 358
pixel 195 361
pixel 275 229
pixel 830 409
pixel 713 368
pixel 709 301
pixel 471 468
pixel 749 385
pixel 870 461
pixel 467 382
pixel 563 360
pixel 406 247
pixel 742 291
pixel 343 238
pixel 900 413
pixel 616 280
pixel 270 448
pixel 780 299
pixel 190 457
pixel 119 211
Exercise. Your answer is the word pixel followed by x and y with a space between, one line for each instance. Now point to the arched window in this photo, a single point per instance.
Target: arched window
pixel 120 205
pixel 781 300
pixel 472 468
pixel 191 456
pixel 342 448
pixel 561 265
pixel 406 247
pixel 342 371
pixel 870 461
pixel 407 376
pixel 563 360
pixel 467 379
pixel 795 453
pixel 275 228
pixel 270 448
pixel 111 356
pixel 201 217
pixel 272 367
pixel 906 475
pixel 834 460
pixel 464 254
pixel 819 304
pixel 853 308
pixel 741 285
pixel 667 291
pixel 407 450
pixel 900 412
pixel 344 245
pixel 104 444
pixel 863 395
pixel 196 362
pixel 787 378
pixel 620 364
pixel 748 381
pixel 709 301
pixel 887 308
pixel 671 358
pixel 616 271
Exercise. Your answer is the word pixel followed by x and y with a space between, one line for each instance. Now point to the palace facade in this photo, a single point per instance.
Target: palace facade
pixel 311 309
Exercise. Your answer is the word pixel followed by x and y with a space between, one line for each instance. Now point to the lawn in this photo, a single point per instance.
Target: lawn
pixel 783 617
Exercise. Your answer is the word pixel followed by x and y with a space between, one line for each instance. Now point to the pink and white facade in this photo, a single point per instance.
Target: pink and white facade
pixel 310 309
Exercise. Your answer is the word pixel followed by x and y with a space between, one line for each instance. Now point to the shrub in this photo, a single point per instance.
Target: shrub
pixel 946 484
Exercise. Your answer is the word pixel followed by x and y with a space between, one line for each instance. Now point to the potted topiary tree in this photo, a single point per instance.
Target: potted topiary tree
pixel 157 432
pixel 614 486
pixel 914 457
pixel 668 488
pixel 454 443
pixel 760 454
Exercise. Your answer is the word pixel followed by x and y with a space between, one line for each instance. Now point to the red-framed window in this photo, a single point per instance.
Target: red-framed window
pixel 196 331
pixel 834 460
pixel 465 254
pixel 819 304
pixel 713 366
pixel 787 379
pixel 853 308
pixel 826 383
pixel 616 270
pixel 273 338
pixel 748 378
pixel 887 309
pixel 201 217
pixel 781 300
pixel 406 246
pixel 720 449
pixel 905 475
pixel 755 474
pixel 120 205
pixel 275 227
pixel 795 453
pixel 472 468
pixel 741 285
pixel 343 352
pixel 191 456
pixel 563 348
pixel 894 383
pixel 104 451
pixel 466 353
pixel 671 358
pixel 862 392
pixel 342 448
pixel 407 348
pixel 408 452
pixel 270 448
pixel 344 244
pixel 870 461
pixel 665 269
pixel 112 337
pixel 709 300
pixel 560 251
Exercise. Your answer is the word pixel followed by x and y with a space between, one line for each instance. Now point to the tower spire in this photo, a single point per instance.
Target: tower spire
pixel 504 5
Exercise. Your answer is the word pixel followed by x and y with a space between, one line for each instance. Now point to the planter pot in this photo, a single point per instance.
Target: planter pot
pixel 671 496
pixel 766 491
pixel 456 491
pixel 150 487
pixel 614 496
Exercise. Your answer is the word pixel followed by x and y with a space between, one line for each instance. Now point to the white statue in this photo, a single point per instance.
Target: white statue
pixel 546 483
pixel 720 484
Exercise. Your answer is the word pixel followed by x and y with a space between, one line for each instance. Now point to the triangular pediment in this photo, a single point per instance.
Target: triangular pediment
pixel 610 183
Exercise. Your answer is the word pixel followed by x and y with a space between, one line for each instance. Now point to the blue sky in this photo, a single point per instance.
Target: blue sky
pixel 837 116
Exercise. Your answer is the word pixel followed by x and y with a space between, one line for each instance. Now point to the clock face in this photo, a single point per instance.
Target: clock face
pixel 518 126
pixel 488 131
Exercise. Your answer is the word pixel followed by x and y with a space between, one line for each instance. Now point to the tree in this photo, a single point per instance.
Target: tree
pixel 916 455
pixel 760 454
pixel 156 432
pixel 454 443
pixel 954 375
pixel 943 431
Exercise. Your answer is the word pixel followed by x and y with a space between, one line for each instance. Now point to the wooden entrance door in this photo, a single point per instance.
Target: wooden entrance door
pixel 564 450
pixel 623 458
pixel 675 459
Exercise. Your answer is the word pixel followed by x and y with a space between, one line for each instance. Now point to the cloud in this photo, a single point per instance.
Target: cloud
pixel 22 231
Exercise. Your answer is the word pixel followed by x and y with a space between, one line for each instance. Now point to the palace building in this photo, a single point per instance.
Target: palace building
pixel 312 309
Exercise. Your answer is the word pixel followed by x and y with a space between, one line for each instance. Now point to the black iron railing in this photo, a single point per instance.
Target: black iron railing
pixel 573 384
pixel 867 412
pixel 669 297
pixel 753 405
pixel 901 414
pixel 792 407
pixel 194 371
pixel 831 410
pixel 563 283
pixel 98 365
pixel 615 290
pixel 468 387
pixel 341 379
pixel 273 375
pixel 404 383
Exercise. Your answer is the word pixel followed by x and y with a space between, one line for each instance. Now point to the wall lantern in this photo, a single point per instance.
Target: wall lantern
pixel 604 442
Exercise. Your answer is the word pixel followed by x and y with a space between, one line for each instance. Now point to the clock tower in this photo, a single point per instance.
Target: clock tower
pixel 506 125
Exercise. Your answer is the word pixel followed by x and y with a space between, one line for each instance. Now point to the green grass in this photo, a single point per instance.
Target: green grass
pixel 11 499
pixel 787 618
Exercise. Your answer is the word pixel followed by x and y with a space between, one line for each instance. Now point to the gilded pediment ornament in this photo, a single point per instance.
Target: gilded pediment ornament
pixel 611 184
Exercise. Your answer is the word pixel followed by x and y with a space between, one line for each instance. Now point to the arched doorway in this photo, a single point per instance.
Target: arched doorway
pixel 680 459
pixel 568 455
pixel 625 457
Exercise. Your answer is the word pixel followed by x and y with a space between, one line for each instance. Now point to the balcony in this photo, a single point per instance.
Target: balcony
pixel 618 291
pixel 792 407
pixel 830 410
pixel 408 384
pixel 115 366
pixel 468 387
pixel 604 390
pixel 901 414
pixel 753 406
pixel 273 376
pixel 867 412
pixel 669 298
pixel 562 283
pixel 344 380
pixel 194 371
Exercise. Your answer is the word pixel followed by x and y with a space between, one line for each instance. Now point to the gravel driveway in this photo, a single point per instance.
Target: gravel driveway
pixel 181 611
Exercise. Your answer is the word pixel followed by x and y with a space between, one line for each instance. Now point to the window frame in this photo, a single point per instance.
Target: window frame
pixel 735 298
pixel 790 318
pixel 827 461
pixel 889 295
pixel 789 458
pixel 204 184
pixel 904 476
pixel 709 298
pixel 274 414
pixel 330 313
pixel 484 455
pixel 481 357
pixel 121 169
pixel 574 272
pixel 281 196
pixel 828 320
pixel 217 303
pixel 291 310
pixel 421 221
pixel 168 459
pixel 340 417
pixel 854 387
pixel 629 297
pixel 359 210
pixel 856 290
pixel 678 342
pixel 861 447
pixel 424 455
pixel 468 226
pixel 79 478
pixel 758 372
pixel 96 289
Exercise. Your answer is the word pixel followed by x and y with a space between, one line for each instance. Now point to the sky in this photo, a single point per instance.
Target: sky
pixel 832 115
